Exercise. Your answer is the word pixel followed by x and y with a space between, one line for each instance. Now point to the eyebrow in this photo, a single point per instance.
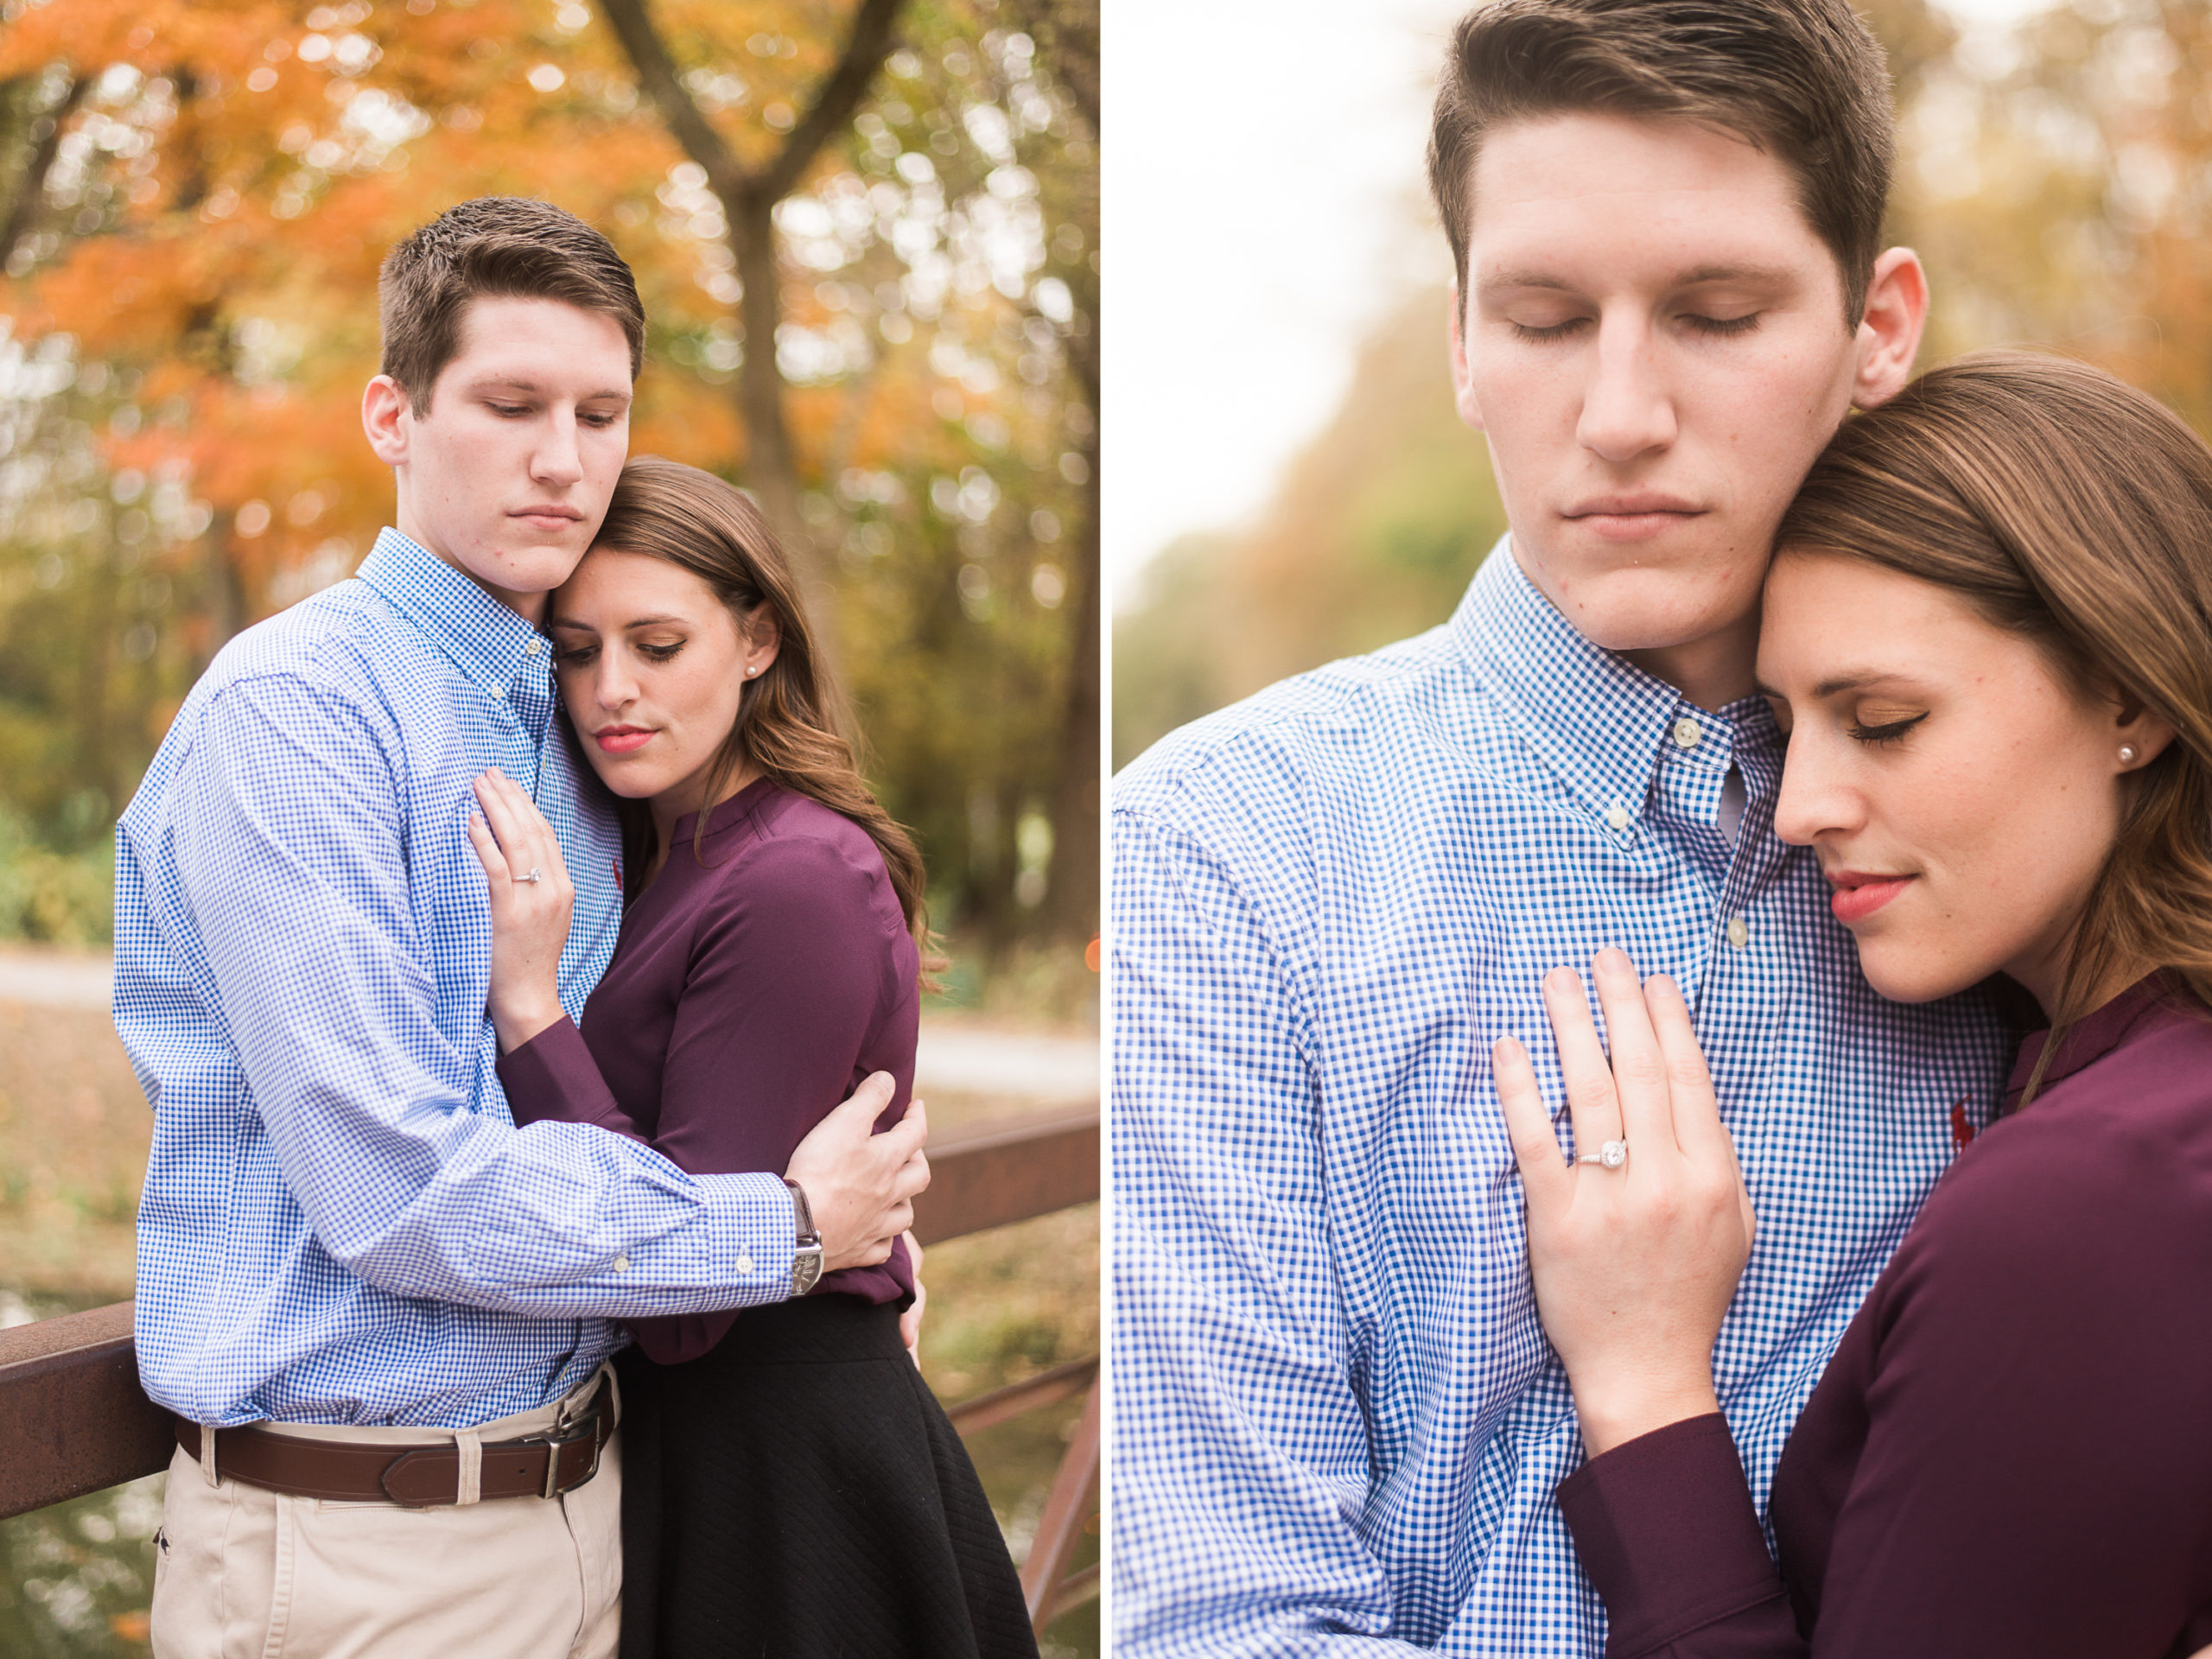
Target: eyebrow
pixel 1697 277
pixel 1856 681
pixel 639 622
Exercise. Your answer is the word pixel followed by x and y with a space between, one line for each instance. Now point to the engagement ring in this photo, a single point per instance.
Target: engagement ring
pixel 1612 1155
pixel 535 876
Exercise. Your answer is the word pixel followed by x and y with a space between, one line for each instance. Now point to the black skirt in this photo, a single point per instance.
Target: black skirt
pixel 799 1493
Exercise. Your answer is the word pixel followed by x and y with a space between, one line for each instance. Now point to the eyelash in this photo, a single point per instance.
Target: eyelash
pixel 578 656
pixel 1882 736
pixel 514 411
pixel 1719 327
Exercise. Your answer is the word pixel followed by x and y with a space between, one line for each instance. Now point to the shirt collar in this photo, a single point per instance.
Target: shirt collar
pixel 486 640
pixel 2094 1035
pixel 1599 722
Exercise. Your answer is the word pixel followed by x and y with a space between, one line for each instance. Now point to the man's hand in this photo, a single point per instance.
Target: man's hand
pixel 862 1185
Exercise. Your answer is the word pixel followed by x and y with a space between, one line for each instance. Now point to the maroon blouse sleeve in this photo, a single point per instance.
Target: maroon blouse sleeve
pixel 2024 1445
pixel 554 1077
pixel 1666 1531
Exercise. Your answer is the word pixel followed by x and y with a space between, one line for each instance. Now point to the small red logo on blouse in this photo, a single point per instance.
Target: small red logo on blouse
pixel 615 864
pixel 1961 1131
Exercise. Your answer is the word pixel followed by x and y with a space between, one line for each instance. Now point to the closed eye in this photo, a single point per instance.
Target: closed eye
pixel 1723 327
pixel 1886 733
pixel 1554 331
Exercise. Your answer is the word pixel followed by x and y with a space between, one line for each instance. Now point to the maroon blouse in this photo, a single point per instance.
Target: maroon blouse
pixel 751 991
pixel 2012 1451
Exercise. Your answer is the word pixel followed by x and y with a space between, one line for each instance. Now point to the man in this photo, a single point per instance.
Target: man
pixel 345 1242
pixel 1339 1426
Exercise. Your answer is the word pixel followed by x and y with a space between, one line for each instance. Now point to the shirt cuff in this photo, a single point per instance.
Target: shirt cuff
pixel 553 1076
pixel 749 1233
pixel 1666 1531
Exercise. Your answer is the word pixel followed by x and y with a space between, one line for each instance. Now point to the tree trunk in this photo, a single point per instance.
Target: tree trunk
pixel 1071 884
pixel 771 467
pixel 31 191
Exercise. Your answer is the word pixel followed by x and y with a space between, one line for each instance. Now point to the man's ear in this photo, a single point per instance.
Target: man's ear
pixel 1463 385
pixel 384 406
pixel 1889 338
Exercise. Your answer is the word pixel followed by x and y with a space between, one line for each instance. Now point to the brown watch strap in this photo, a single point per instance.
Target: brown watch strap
pixel 414 1477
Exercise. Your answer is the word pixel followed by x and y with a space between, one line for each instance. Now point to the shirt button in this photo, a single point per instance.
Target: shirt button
pixel 1687 733
pixel 1617 815
pixel 537 645
pixel 622 1264
pixel 1739 932
pixel 745 1264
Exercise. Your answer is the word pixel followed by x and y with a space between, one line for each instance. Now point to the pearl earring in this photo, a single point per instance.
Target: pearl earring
pixel 2127 754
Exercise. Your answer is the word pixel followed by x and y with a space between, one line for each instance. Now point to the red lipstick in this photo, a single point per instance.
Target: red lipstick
pixel 622 739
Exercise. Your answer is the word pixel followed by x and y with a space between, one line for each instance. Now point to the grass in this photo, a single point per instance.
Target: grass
pixel 74 1580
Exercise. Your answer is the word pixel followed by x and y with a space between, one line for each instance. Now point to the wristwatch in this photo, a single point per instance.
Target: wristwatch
pixel 806 1254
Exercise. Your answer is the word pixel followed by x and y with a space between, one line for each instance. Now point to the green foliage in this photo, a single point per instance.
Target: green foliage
pixel 55 898
pixel 1379 524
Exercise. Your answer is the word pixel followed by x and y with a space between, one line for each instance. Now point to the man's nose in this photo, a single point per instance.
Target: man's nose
pixel 1627 409
pixel 557 460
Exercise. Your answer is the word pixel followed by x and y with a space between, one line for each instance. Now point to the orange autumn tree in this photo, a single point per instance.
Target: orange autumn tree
pixel 201 195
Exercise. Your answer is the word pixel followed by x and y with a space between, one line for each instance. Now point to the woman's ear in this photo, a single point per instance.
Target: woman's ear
pixel 763 639
pixel 2140 733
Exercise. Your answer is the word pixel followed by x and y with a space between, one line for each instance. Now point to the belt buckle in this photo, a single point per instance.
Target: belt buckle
pixel 562 1436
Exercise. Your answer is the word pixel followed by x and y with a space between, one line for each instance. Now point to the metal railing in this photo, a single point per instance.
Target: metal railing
pixel 74 1421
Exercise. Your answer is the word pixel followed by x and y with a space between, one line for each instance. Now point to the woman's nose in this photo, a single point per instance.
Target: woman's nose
pixel 1816 798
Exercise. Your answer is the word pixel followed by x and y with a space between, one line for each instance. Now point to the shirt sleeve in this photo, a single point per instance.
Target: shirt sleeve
pixel 1240 1447
pixel 1664 1527
pixel 795 975
pixel 291 847
pixel 2035 1452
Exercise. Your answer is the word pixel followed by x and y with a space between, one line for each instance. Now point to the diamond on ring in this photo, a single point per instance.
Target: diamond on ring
pixel 1611 1155
pixel 535 876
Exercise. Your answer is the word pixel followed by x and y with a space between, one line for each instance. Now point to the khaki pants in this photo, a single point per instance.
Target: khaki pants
pixel 248 1573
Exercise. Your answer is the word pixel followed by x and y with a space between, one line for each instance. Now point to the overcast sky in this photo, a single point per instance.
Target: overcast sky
pixel 1264 208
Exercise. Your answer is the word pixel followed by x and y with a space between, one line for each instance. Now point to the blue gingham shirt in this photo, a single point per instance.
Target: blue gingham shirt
pixel 1338 1424
pixel 341 1223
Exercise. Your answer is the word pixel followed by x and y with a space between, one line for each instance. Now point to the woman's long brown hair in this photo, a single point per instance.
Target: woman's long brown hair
pixel 789 719
pixel 2069 508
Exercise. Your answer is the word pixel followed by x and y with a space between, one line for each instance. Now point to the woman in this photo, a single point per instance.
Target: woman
pixel 790 1486
pixel 1988 633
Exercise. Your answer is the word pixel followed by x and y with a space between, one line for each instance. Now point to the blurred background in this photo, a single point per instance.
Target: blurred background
pixel 1307 492
pixel 866 233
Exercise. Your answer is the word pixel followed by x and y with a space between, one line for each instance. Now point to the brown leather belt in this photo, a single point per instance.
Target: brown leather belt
pixel 414 1477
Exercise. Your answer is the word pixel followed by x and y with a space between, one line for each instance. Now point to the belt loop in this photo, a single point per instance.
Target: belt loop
pixel 613 1398
pixel 207 1454
pixel 470 1445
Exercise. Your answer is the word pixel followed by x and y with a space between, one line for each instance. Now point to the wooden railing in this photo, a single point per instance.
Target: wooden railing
pixel 72 1418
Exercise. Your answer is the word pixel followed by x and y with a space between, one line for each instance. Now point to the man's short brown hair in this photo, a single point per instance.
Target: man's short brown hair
pixel 501 247
pixel 1802 79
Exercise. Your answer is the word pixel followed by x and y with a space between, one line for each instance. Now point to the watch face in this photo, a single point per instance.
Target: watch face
pixel 806 1268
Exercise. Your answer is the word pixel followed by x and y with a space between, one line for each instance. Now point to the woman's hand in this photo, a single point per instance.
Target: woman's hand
pixel 1634 1265
pixel 530 920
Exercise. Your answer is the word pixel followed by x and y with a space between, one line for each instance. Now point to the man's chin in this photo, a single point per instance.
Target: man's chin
pixel 1652 608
